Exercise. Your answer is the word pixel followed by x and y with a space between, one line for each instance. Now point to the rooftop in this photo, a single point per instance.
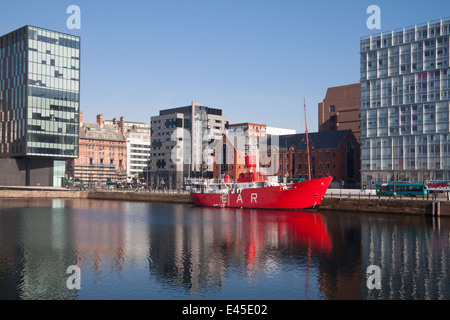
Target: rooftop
pixel 321 140
pixel 408 28
pixel 95 131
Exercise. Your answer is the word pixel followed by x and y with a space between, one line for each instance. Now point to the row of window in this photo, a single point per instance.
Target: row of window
pixel 413 164
pixel 429 33
pixel 53 94
pixel 305 155
pixel 42 151
pixel 145 146
pixel 305 166
pixel 52 37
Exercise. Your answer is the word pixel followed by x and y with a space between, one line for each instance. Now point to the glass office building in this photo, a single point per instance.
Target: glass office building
pixel 405 93
pixel 40 86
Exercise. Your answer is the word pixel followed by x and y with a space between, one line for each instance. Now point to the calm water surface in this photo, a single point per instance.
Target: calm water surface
pixel 138 250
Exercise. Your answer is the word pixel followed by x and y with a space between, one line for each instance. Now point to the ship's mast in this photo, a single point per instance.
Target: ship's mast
pixel 307 141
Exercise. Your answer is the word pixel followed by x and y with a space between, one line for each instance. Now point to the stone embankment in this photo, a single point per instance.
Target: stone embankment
pixel 62 194
pixel 393 206
pixel 351 204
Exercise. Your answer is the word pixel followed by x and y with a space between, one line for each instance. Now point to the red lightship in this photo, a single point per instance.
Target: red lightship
pixel 256 190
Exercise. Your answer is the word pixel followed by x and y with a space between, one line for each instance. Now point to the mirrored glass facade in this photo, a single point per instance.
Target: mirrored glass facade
pixel 40 84
pixel 405 94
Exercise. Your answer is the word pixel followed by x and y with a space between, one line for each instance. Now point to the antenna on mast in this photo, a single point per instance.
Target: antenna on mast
pixel 307 141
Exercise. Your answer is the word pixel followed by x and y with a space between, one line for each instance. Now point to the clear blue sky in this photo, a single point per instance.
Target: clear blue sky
pixel 255 59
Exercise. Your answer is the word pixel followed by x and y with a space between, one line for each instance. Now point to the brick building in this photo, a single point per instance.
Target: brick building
pixel 334 154
pixel 340 110
pixel 242 139
pixel 228 159
pixel 103 153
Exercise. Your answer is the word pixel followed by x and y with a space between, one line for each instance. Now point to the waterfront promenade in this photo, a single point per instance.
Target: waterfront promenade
pixel 335 199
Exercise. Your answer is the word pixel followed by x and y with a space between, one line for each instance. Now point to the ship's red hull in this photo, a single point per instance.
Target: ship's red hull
pixel 301 195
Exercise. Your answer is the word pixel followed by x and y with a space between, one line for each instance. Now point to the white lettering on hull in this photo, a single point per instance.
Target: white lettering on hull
pixel 224 199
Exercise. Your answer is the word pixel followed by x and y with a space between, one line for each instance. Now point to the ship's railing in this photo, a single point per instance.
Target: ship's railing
pixel 366 194
pixel 204 182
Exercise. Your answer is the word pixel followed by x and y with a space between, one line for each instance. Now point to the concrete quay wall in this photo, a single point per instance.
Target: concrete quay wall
pixel 128 196
pixel 140 196
pixel 375 205
pixel 392 206
pixel 43 194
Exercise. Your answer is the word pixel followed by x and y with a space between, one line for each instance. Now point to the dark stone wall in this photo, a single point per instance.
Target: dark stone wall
pixel 41 172
pixel 26 172
pixel 13 172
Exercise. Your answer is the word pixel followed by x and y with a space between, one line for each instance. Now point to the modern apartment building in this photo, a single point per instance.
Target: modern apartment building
pixel 40 86
pixel 340 110
pixel 193 130
pixel 405 94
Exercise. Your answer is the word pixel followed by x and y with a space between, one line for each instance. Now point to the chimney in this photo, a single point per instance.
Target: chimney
pixel 122 125
pixel 81 119
pixel 100 119
pixel 114 121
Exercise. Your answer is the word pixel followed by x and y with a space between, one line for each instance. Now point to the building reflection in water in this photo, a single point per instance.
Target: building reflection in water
pixel 35 241
pixel 413 257
pixel 201 247
pixel 139 250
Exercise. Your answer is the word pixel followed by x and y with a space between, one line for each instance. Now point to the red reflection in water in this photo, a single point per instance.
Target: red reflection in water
pixel 310 229
pixel 305 228
pixel 302 230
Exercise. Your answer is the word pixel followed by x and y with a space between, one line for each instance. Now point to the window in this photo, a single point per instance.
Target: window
pixel 332 108
pixel 350 160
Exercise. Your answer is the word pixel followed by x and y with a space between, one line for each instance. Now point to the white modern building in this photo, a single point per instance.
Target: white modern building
pixel 405 94
pixel 138 148
pixel 272 131
pixel 193 130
